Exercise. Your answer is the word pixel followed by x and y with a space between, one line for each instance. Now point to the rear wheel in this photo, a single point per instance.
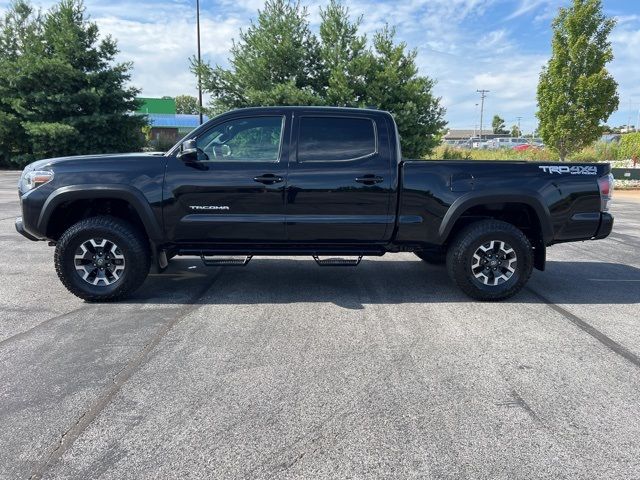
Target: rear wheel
pixel 102 258
pixel 490 260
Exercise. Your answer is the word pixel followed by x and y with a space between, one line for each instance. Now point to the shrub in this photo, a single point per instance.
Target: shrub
pixel 629 146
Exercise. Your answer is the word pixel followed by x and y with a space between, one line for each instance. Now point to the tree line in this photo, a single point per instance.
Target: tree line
pixel 62 92
pixel 278 60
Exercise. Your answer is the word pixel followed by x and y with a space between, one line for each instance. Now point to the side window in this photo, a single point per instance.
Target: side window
pixel 335 138
pixel 244 140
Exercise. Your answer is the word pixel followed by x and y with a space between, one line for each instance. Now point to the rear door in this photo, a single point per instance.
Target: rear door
pixel 340 179
pixel 235 192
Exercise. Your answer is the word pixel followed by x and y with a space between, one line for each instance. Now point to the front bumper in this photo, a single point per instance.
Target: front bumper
pixel 605 227
pixel 21 230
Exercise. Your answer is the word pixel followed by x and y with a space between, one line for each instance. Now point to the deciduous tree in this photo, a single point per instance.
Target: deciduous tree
pixel 187 104
pixel 576 92
pixel 498 126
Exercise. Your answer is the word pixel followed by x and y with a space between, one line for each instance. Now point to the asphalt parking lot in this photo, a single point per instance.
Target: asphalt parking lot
pixel 283 369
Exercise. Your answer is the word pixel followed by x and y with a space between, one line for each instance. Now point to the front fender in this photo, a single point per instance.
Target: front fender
pixel 130 194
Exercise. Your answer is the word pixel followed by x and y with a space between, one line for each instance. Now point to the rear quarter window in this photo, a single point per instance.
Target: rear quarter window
pixel 335 139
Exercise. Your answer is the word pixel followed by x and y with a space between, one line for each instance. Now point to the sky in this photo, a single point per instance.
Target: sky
pixel 466 45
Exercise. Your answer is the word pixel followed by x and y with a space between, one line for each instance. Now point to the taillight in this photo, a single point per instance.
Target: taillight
pixel 605 184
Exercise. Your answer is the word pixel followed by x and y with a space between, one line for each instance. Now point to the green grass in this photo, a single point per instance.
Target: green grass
pixel 628 147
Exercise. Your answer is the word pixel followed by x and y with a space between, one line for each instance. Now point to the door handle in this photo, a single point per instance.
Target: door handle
pixel 268 179
pixel 369 179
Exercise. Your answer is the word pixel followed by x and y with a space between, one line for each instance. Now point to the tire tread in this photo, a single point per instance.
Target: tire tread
pixel 138 247
pixel 464 240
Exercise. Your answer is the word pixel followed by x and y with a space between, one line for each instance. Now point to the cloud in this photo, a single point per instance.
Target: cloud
pixel 161 59
pixel 526 6
pixel 463 44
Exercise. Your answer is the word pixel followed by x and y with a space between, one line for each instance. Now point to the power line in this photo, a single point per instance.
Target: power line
pixel 483 94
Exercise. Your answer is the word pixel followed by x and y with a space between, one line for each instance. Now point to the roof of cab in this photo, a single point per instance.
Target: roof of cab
pixel 308 108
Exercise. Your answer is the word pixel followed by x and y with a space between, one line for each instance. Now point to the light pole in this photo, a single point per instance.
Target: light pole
pixel 475 125
pixel 519 131
pixel 483 94
pixel 199 58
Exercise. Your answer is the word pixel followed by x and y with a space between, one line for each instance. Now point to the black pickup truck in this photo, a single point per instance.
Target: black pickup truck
pixel 324 182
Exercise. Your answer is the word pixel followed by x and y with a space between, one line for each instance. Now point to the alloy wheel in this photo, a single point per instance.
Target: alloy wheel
pixel 99 262
pixel 494 262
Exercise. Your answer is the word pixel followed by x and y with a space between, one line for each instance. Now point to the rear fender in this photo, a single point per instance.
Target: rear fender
pixel 474 199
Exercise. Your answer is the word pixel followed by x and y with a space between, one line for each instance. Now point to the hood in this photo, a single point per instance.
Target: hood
pixel 50 162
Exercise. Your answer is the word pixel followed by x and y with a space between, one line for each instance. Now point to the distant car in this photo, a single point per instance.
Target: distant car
pixel 525 146
pixel 475 142
pixel 505 142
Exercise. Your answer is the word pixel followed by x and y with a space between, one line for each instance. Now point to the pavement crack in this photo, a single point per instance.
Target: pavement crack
pixel 518 401
pixel 605 340
pixel 24 333
pixel 71 434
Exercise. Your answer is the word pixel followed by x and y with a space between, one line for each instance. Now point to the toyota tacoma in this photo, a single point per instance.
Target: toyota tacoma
pixel 325 182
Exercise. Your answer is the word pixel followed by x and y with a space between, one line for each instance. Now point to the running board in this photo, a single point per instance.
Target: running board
pixel 226 261
pixel 338 262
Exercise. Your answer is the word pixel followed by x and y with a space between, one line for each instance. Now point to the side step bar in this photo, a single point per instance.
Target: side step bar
pixel 226 261
pixel 338 262
pixel 216 261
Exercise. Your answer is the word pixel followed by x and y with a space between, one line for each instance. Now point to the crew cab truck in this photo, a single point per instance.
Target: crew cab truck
pixel 323 182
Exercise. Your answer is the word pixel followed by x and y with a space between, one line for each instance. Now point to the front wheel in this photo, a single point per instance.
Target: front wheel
pixel 490 260
pixel 102 258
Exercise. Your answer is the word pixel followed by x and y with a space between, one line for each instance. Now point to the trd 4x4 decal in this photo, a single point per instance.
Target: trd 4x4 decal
pixel 573 170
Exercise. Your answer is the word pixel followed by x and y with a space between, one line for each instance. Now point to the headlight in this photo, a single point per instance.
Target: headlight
pixel 34 179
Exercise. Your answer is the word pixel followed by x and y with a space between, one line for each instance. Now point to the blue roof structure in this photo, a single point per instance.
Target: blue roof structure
pixel 178 120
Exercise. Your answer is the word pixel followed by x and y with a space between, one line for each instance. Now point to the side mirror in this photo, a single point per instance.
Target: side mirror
pixel 189 152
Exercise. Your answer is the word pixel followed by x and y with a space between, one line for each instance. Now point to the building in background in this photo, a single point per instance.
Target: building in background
pixel 166 126
pixel 164 105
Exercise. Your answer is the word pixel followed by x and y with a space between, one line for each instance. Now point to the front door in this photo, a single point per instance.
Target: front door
pixel 340 180
pixel 234 191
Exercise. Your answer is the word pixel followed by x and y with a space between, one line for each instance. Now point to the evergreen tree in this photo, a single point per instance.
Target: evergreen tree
pixel 275 62
pixel 60 93
pixel 393 84
pixel 576 92
pixel 279 61
pixel 344 57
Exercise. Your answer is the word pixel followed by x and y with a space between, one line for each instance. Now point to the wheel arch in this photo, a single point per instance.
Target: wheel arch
pixel 466 203
pixel 123 193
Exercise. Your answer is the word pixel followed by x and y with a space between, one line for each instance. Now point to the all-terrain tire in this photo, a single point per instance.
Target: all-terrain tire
pixel 432 257
pixel 131 244
pixel 460 259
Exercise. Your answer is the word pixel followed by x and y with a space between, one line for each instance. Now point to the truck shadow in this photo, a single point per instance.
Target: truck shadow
pixel 380 281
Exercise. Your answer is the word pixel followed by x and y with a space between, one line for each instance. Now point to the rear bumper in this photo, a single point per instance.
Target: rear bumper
pixel 21 230
pixel 605 227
